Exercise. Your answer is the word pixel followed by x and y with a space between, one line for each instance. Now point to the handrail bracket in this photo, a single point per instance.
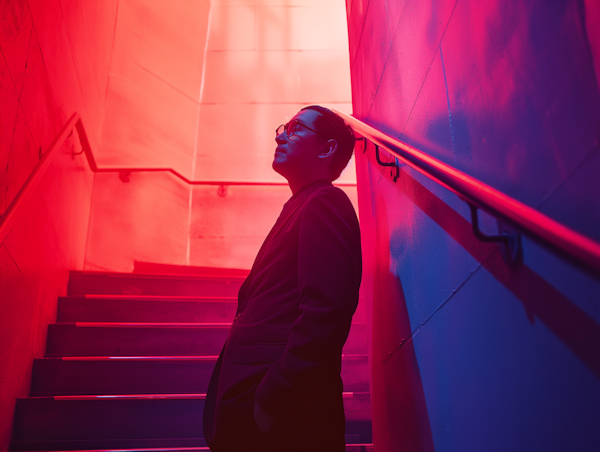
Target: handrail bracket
pixel 510 241
pixel 392 164
pixel 364 140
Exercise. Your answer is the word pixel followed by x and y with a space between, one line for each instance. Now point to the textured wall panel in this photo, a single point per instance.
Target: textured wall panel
pixel 277 77
pixel 149 222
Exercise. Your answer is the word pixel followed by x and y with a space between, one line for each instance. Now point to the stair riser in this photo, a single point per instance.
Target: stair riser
pixel 81 284
pixel 46 419
pixel 80 309
pixel 115 445
pixel 38 419
pixel 58 377
pixel 107 446
pixel 71 340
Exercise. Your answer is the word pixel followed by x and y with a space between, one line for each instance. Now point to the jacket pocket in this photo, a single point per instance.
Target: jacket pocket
pixel 257 353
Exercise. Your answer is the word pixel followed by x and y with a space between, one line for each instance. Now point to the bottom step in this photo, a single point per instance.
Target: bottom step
pixel 349 448
pixel 171 444
pixel 136 421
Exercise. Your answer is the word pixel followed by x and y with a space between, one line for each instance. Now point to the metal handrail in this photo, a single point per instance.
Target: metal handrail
pixel 575 247
pixel 44 163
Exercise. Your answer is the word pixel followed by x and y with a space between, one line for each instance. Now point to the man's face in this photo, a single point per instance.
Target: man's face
pixel 297 154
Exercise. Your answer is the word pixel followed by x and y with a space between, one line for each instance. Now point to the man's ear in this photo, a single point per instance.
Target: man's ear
pixel 330 147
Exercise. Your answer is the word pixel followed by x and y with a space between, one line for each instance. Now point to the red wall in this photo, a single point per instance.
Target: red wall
pixel 54 62
pixel 468 353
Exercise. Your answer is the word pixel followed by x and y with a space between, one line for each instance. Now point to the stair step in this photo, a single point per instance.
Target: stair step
pixel 82 283
pixel 52 419
pixel 158 449
pixel 150 375
pixel 109 445
pixel 136 308
pixel 160 339
pixel 162 309
pixel 82 422
pixel 153 268
pixel 359 447
pixel 110 375
pixel 349 448
pixel 143 339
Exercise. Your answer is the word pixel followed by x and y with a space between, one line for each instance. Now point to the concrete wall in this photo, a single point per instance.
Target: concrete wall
pixel 201 87
pixel 468 353
pixel 54 62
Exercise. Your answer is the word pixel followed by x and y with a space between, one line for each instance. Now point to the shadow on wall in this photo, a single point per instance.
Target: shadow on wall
pixel 575 328
pixel 409 425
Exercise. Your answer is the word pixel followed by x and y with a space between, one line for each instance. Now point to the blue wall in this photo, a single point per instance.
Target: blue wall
pixel 468 353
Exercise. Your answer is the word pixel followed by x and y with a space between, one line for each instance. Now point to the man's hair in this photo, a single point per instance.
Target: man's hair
pixel 329 126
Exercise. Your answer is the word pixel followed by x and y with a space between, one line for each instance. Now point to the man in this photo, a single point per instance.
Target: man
pixel 277 384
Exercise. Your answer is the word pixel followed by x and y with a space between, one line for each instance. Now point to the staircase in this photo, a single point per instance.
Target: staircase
pixel 128 363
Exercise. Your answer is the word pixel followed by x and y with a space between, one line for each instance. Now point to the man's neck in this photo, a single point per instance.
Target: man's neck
pixel 297 185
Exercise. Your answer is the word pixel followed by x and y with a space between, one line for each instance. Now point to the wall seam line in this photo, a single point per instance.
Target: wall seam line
pixel 421 325
pixel 448 101
pixel 425 78
pixel 188 250
pixel 362 30
pixel 108 75
pixel 568 177
pixel 13 260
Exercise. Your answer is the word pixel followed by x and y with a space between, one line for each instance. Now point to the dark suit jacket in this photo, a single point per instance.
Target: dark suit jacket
pixel 293 318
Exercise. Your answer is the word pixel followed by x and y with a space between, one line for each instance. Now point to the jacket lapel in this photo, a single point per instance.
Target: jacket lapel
pixel 288 211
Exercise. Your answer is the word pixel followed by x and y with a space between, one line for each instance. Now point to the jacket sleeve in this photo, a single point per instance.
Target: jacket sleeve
pixel 329 273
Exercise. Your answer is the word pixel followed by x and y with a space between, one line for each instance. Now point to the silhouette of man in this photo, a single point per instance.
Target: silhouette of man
pixel 277 384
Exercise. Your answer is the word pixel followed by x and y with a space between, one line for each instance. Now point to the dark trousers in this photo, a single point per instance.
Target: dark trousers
pixel 289 433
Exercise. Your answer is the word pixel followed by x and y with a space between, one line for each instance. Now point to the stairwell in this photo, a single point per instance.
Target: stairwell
pixel 129 359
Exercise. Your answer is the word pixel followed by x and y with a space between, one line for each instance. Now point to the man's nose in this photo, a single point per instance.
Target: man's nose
pixel 280 139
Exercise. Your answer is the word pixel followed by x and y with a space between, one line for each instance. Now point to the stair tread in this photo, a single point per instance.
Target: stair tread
pixel 368 447
pixel 145 324
pixel 148 449
pixel 137 358
pixel 129 338
pixel 150 374
pixel 139 417
pixel 158 449
pixel 345 394
pixel 148 308
pixel 135 339
pixel 147 297
pixel 81 283
pixel 74 274
pixel 166 357
pixel 192 444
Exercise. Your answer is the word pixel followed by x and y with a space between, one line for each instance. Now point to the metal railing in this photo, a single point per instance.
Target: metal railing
pixel 573 246
pixel 76 123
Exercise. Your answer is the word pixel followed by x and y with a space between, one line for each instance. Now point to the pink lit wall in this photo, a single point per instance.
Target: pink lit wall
pixel 201 87
pixel 468 353
pixel 54 61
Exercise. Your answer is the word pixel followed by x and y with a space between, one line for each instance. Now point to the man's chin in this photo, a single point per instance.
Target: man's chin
pixel 277 167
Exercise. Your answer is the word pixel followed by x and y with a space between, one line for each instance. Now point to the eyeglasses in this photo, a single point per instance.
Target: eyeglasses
pixel 291 127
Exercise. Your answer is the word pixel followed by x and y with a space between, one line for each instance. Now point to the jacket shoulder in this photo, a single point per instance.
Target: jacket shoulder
pixel 331 193
pixel 329 201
